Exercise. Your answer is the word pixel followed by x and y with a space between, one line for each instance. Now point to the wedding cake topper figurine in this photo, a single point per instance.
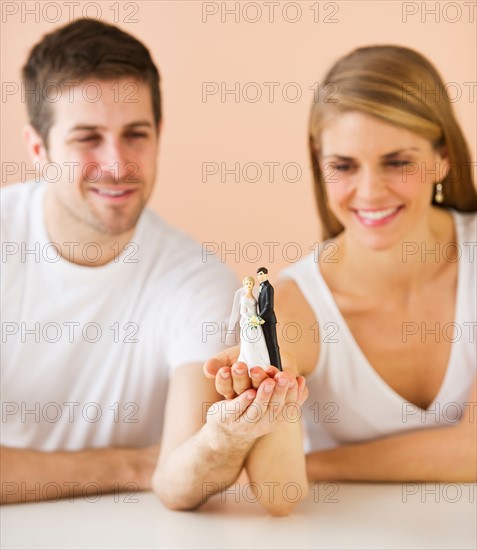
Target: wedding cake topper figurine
pixel 258 333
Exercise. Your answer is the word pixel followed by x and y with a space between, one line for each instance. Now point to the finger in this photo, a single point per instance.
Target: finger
pixel 271 397
pixel 279 395
pixel 241 403
pixel 292 393
pixel 240 378
pixel 224 359
pixel 228 412
pixel 289 363
pixel 302 390
pixel 271 371
pixel 258 375
pixel 259 406
pixel 223 383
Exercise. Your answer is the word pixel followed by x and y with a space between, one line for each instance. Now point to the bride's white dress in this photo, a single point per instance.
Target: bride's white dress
pixel 253 348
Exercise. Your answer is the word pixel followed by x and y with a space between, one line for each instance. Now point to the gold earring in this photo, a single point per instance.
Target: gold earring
pixel 439 196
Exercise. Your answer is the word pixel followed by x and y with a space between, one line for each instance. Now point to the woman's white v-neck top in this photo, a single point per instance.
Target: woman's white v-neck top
pixel 349 402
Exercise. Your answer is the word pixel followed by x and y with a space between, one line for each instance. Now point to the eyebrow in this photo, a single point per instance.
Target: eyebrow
pixel 93 127
pixel 387 155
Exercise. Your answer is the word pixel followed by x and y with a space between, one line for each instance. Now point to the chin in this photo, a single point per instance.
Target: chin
pixel 379 242
pixel 115 227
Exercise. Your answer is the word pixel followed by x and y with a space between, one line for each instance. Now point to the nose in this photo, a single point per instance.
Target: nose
pixel 114 162
pixel 370 185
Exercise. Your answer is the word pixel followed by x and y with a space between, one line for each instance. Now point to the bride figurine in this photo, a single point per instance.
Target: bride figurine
pixel 253 348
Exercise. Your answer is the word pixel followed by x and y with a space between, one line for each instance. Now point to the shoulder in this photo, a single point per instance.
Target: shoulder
pixel 467 221
pixel 16 197
pixel 294 312
pixel 16 203
pixel 181 250
pixel 291 303
pixel 179 258
pixel 450 223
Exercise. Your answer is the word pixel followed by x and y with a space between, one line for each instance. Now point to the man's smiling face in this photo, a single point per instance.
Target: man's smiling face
pixel 106 150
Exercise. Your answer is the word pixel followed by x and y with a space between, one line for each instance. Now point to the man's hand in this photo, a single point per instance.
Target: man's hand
pixel 255 413
pixel 265 397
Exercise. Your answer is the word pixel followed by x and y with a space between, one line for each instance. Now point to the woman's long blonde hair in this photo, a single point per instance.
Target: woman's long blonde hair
pixel 401 87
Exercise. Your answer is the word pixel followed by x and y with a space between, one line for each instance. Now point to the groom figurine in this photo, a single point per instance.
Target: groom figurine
pixel 265 311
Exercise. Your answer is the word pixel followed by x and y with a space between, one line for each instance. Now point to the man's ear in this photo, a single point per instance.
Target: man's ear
pixel 34 144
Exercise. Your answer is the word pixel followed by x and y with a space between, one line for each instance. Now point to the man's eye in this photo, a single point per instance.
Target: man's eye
pixel 89 138
pixel 342 167
pixel 136 134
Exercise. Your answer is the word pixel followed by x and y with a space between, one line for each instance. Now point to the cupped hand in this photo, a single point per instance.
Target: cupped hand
pixel 233 378
pixel 257 412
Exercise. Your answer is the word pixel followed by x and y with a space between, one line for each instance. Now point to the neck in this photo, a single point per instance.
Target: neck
pixel 402 268
pixel 79 242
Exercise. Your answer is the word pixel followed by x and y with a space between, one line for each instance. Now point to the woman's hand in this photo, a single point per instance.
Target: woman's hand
pixel 255 413
pixel 232 380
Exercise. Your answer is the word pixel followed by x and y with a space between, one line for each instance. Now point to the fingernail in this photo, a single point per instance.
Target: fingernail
pixel 282 381
pixel 255 375
pixel 225 375
pixel 292 384
pixel 268 388
pixel 249 396
pixel 239 370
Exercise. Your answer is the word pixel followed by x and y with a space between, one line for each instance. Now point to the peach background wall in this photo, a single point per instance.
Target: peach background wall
pixel 192 46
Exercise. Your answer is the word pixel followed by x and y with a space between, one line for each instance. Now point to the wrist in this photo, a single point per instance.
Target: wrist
pixel 225 444
pixel 320 466
pixel 124 468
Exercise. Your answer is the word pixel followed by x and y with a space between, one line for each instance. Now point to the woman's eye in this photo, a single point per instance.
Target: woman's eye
pixel 342 167
pixel 398 163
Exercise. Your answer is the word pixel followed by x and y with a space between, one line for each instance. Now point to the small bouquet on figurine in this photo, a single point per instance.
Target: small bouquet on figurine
pixel 255 321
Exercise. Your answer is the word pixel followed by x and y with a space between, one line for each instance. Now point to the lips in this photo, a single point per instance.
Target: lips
pixel 113 194
pixel 377 217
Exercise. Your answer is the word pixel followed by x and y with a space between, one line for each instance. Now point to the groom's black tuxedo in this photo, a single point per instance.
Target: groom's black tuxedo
pixel 265 310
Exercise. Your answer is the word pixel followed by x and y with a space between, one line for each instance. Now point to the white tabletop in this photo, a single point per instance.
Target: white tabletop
pixel 336 515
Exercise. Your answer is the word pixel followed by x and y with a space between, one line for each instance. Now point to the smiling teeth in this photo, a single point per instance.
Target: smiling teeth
pixel 376 214
pixel 111 193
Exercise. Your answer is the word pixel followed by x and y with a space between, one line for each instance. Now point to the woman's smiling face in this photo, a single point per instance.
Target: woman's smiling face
pixel 379 178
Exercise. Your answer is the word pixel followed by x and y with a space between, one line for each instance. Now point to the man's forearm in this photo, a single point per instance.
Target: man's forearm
pixel 29 475
pixel 200 467
pixel 440 454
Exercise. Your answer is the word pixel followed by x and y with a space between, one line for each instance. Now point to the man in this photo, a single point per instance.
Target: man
pixel 101 299
pixel 267 313
pixel 103 305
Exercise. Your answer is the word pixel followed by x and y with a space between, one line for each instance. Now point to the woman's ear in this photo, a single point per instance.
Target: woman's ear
pixel 442 161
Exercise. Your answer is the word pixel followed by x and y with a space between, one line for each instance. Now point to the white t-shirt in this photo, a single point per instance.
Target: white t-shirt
pixel 87 351
pixel 349 402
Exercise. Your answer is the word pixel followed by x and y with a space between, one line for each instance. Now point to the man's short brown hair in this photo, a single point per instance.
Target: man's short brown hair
pixel 81 50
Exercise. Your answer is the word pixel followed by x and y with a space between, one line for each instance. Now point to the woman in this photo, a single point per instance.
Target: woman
pixel 392 290
pixel 387 303
pixel 253 348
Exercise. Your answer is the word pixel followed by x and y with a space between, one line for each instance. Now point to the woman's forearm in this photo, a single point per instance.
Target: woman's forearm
pixel 439 454
pixel 276 464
